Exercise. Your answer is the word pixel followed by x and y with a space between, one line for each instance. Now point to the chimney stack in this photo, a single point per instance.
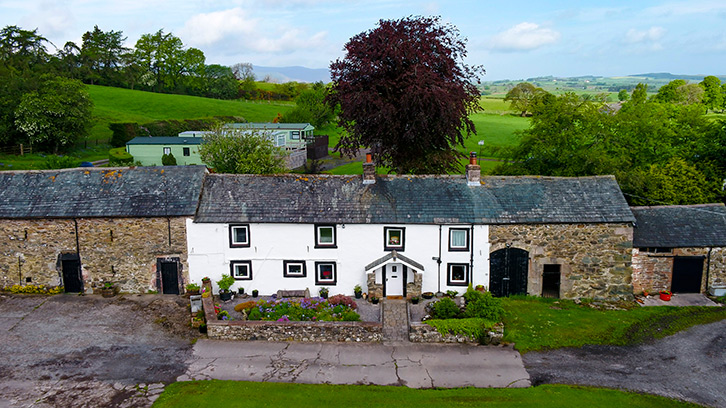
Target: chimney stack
pixel 369 170
pixel 473 171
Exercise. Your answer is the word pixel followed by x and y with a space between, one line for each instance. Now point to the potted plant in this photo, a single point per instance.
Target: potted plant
pixel 665 295
pixel 479 288
pixel 323 293
pixel 108 290
pixel 358 291
pixel 255 292
pixel 374 299
pixel 241 290
pixel 414 300
pixel 224 284
pixel 192 289
pixel 427 295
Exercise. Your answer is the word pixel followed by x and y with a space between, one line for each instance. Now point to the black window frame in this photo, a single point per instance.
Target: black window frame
pixel 232 243
pixel 451 282
pixel 286 271
pixel 458 249
pixel 233 264
pixel 186 151
pixel 327 282
pixel 295 135
pixel 318 244
pixel 399 248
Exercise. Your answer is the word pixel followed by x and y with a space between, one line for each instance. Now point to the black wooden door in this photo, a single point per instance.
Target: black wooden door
pixel 169 278
pixel 71 268
pixel 687 274
pixel 508 269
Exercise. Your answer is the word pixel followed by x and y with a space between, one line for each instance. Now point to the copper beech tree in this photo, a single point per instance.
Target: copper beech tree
pixel 405 92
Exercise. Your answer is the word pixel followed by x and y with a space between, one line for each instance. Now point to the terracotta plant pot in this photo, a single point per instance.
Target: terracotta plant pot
pixel 665 296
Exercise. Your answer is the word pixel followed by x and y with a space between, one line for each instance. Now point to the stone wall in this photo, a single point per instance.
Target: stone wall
pixel 595 259
pixel 295 331
pixel 120 250
pixel 423 333
pixel 414 288
pixel 374 289
pixel 653 272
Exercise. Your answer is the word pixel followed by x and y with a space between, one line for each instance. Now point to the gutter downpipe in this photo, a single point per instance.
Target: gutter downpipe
pixel 438 262
pixel 708 267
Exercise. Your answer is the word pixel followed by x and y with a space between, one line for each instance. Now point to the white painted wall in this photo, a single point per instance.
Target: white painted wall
pixel 357 246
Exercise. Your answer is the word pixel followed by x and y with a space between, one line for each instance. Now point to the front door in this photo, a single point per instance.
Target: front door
pixel 169 269
pixel 508 269
pixel 394 279
pixel 687 274
pixel 71 269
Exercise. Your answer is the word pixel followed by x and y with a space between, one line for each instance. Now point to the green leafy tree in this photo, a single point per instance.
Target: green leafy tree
pixel 668 93
pixel 677 182
pixel 623 95
pixel 55 115
pixel 404 91
pixel 310 107
pixel 713 97
pixel 219 82
pixel 102 56
pixel 169 66
pixel 640 94
pixel 241 152
pixel 522 97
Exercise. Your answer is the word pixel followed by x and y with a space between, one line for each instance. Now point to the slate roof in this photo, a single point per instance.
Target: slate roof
pixel 101 192
pixel 230 198
pixel 680 226
pixel 165 140
pixel 268 125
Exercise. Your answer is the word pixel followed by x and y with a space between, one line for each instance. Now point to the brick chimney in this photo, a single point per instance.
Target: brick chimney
pixel 473 171
pixel 369 170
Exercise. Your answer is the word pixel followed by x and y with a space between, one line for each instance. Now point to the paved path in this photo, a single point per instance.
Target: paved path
pixel 408 364
pixel 395 320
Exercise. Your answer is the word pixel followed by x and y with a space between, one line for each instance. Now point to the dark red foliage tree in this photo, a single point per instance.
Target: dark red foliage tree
pixel 404 92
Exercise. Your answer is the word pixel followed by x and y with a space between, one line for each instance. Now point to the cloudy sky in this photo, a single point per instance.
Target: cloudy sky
pixel 511 39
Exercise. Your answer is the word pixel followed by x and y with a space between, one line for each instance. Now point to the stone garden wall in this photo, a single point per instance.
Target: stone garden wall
pixel 120 250
pixel 653 272
pixel 595 259
pixel 423 333
pixel 295 331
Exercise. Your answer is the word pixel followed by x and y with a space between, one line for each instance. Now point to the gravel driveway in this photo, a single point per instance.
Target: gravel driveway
pixel 690 365
pixel 88 351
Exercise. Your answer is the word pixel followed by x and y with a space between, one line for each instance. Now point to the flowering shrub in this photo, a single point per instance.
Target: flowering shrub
pixel 245 306
pixel 38 289
pixel 343 300
pixel 307 309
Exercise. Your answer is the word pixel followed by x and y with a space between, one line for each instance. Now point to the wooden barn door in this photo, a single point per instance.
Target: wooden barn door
pixel 508 270
pixel 687 274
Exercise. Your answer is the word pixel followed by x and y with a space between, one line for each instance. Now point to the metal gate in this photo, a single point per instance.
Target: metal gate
pixel 508 269
pixel 687 274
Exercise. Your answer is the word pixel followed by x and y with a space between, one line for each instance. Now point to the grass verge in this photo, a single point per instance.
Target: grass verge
pixel 539 324
pixel 232 394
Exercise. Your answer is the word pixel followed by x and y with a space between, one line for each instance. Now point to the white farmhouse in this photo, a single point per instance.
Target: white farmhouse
pixel 404 235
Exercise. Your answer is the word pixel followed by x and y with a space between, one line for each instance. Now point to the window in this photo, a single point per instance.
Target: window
pixel 294 269
pixel 325 273
pixel 295 135
pixel 241 270
pixel 658 250
pixel 280 140
pixel 167 150
pixel 458 239
pixel 325 236
pixel 186 151
pixel 393 238
pixel 239 236
pixel 458 275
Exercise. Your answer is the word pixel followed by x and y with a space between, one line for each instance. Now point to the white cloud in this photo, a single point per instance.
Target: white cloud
pixel 653 34
pixel 523 37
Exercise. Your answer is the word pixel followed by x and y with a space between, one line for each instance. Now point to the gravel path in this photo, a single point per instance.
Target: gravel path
pixel 690 365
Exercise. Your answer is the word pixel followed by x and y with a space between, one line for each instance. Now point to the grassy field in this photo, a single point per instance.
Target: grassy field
pixel 538 324
pixel 232 394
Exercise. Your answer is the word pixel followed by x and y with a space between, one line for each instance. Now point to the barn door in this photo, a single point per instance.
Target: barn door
pixel 687 274
pixel 168 275
pixel 71 270
pixel 508 270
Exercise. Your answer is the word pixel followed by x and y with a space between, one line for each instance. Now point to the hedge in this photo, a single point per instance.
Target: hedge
pixel 123 132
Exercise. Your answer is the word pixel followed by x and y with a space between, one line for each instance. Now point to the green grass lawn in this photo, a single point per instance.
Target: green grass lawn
pixel 538 324
pixel 232 394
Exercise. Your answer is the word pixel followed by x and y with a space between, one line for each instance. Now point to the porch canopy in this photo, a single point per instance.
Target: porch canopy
pixel 394 257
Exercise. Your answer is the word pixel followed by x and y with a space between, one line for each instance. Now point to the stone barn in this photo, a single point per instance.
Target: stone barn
pixel 679 248
pixel 80 228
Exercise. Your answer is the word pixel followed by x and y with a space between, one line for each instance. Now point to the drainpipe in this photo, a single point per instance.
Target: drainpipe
pixel 438 261
pixel 78 246
pixel 708 267
pixel 471 256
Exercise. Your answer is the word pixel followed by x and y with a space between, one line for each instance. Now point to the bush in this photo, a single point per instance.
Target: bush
pixel 350 316
pixel 226 282
pixel 120 157
pixel 483 305
pixel 245 306
pixel 473 327
pixel 59 162
pixel 255 314
pixel 168 160
pixel 445 309
pixel 343 300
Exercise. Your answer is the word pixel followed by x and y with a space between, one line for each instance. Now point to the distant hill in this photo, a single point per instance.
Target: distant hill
pixel 287 74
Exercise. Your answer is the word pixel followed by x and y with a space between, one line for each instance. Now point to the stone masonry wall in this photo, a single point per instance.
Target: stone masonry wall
pixel 120 250
pixel 295 331
pixel 653 272
pixel 423 333
pixel 595 259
